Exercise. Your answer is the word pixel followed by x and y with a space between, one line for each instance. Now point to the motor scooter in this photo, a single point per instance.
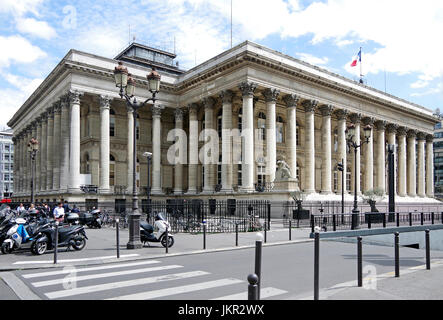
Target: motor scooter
pixel 90 218
pixel 156 233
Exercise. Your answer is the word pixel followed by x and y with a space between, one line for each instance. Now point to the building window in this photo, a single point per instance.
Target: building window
pixel 335 140
pixel 219 170
pixel 111 123
pixel 279 130
pixel 88 167
pixel 348 179
pixel 239 179
pixel 111 170
pixel 261 174
pixel 219 123
pixel 297 134
pixel 240 111
pixel 261 126
pixel 335 181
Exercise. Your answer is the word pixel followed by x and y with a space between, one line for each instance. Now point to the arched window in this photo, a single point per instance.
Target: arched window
pixel 111 170
pixel 262 126
pixel 348 179
pixel 88 167
pixel 112 123
pixel 240 115
pixel 219 123
pixel 239 177
pixel 335 140
pixel 279 130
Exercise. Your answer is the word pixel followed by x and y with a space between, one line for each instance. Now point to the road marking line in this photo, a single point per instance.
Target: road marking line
pixel 123 284
pixel 178 290
pixel 19 287
pixel 64 271
pixel 264 293
pixel 102 275
pixel 75 260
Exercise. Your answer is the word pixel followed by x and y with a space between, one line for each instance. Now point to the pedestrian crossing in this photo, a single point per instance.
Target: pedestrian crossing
pixel 139 280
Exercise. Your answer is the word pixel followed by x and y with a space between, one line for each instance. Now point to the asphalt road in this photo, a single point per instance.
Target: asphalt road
pixel 287 273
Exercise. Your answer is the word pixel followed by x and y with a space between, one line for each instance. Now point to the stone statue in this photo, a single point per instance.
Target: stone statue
pixel 283 171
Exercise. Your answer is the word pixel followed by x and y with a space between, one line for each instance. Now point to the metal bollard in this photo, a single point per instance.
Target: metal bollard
pixel 236 234
pixel 167 239
pixel 253 287
pixel 258 255
pixel 117 231
pixel 397 255
pixel 266 236
pixel 369 221
pixel 384 220
pixel 334 222
pixel 204 235
pixel 290 230
pixel 313 227
pixel 359 262
pixel 410 219
pixel 432 217
pixel 56 242
pixel 421 218
pixel 316 262
pixel 398 219
pixel 428 251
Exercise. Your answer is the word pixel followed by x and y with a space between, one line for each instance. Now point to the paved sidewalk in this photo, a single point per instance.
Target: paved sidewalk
pixel 101 247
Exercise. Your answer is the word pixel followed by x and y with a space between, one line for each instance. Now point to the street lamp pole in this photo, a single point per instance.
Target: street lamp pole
pixel 148 155
pixel 124 81
pixel 351 134
pixel 32 149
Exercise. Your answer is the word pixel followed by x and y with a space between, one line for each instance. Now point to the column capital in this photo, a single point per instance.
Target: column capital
pixel 271 95
pixel 64 100
pixel 401 131
pixel 355 118
pixel 193 108
pixel 429 138
pixel 105 101
pixel 310 105
pixel 326 110
pixel 178 112
pixel 247 88
pixel 411 133
pixel 74 96
pixel 380 125
pixel 156 110
pixel 291 100
pixel 227 96
pixel 209 103
pixel 368 121
pixel 342 114
pixel 50 112
pixel 421 136
pixel 57 107
pixel 391 128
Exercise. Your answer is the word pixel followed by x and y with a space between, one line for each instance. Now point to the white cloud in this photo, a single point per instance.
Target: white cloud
pixel 18 49
pixel 20 7
pixel 309 58
pixel 34 27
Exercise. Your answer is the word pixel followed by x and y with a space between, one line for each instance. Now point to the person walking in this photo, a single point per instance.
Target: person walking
pixel 21 208
pixel 66 207
pixel 59 212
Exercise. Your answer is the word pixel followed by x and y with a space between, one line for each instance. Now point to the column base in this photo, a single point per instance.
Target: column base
pixel 104 191
pixel 309 191
pixel 156 191
pixel 178 191
pixel 72 190
pixel 326 192
pixel 246 189
pixel 207 191
pixel 227 190
pixel 191 192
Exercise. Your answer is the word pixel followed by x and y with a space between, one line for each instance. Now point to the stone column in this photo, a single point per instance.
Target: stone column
pixel 130 149
pixel 38 156
pixel 57 146
pixel 291 101
pixel 44 151
pixel 271 96
pixel 64 150
pixel 15 182
pixel 193 149
pixel 429 166
pixel 227 96
pixel 105 104
pixel 391 129
pixel 33 135
pixel 208 165
pixel 178 169
pixel 421 165
pixel 381 158
pixel 412 183
pixel 247 89
pixel 156 150
pixel 50 148
pixel 74 160
pixel 369 156
pixel 309 106
pixel 356 120
pixel 326 181
pixel 401 133
pixel 26 161
pixel 341 150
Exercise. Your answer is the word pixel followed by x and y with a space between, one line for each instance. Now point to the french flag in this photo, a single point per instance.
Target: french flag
pixel 356 58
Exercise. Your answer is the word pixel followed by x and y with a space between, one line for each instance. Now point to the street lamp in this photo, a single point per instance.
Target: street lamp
pixel 351 141
pixel 32 149
pixel 148 156
pixel 126 84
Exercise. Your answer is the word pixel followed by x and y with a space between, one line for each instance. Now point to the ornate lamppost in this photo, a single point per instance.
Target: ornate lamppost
pixel 351 141
pixel 32 149
pixel 148 156
pixel 124 81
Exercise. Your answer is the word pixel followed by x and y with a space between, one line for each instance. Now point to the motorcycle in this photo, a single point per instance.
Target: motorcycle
pixel 90 218
pixel 156 233
pixel 7 223
pixel 68 236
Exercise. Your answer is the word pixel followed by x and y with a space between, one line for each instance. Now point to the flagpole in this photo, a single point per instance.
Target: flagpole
pixel 361 74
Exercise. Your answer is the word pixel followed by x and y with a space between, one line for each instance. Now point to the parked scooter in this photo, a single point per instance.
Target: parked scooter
pixel 156 233
pixel 68 236
pixel 90 218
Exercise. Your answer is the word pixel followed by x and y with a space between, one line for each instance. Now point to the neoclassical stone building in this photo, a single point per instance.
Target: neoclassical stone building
pixel 85 129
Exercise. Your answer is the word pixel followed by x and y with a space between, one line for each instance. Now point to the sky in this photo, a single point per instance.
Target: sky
pixel 402 48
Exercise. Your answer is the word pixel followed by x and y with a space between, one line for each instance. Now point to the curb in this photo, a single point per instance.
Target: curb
pixel 115 260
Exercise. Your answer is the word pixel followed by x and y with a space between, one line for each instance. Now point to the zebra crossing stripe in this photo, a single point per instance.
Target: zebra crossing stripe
pixel 102 275
pixel 264 293
pixel 76 260
pixel 123 284
pixel 65 271
pixel 178 290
